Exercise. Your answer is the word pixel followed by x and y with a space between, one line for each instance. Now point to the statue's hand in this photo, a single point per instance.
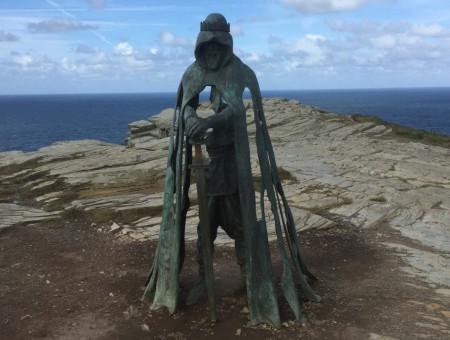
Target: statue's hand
pixel 196 127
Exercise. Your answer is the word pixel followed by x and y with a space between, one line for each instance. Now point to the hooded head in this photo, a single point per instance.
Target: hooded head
pixel 214 46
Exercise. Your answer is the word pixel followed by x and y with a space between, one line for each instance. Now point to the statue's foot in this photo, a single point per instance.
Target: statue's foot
pixel 197 291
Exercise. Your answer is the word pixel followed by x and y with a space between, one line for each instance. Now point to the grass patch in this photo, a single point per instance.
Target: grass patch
pixel 131 215
pixel 102 215
pixel 72 213
pixel 124 216
pixel 286 175
pixel 380 199
pixel 14 168
pixel 407 133
pixel 316 188
pixel 322 209
pixel 346 200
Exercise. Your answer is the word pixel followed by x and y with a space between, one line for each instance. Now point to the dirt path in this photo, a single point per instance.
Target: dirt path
pixel 72 282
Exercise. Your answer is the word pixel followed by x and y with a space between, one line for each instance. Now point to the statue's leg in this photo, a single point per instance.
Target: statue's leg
pixel 200 286
pixel 230 221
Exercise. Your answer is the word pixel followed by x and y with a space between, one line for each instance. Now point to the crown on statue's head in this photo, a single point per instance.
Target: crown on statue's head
pixel 210 26
pixel 215 22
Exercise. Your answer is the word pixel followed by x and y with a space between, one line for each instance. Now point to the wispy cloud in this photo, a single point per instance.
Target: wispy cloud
pixel 8 37
pixel 84 49
pixel 323 6
pixel 70 15
pixel 99 4
pixel 58 25
pixel 59 8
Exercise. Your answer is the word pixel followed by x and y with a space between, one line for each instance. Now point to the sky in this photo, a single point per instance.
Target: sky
pixel 120 46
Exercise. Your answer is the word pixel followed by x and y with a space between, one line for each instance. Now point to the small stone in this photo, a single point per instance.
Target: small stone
pixel 433 306
pixel 245 310
pixel 145 327
pixel 238 331
pixel 111 294
pixel 285 324
pixel 114 227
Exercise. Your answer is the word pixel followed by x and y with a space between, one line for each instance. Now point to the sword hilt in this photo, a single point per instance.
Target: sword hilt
pixel 198 154
pixel 199 157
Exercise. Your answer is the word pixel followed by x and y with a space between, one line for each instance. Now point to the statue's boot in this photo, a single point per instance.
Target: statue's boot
pixel 197 290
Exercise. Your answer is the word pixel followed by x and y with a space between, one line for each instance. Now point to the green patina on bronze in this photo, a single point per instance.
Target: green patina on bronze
pixel 228 80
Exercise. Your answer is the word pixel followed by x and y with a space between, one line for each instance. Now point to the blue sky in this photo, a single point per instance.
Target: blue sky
pixel 102 46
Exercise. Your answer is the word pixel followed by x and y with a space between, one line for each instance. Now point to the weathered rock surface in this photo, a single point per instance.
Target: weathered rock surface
pixel 338 173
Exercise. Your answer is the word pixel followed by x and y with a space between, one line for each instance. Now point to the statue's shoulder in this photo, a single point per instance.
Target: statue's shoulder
pixel 243 69
pixel 193 72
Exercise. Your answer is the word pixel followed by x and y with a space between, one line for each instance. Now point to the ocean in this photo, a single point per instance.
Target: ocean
pixel 29 122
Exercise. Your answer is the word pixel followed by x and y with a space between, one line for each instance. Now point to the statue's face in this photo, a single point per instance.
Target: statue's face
pixel 214 54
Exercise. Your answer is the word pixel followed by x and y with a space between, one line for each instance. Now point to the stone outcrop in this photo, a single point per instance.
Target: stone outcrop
pixel 337 172
pixel 143 133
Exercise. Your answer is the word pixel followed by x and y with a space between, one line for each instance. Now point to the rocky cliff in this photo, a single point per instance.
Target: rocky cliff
pixel 337 173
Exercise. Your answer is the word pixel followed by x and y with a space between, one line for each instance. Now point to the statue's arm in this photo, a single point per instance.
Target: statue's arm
pixel 197 126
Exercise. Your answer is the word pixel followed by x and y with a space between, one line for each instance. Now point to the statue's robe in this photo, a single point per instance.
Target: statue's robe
pixel 163 283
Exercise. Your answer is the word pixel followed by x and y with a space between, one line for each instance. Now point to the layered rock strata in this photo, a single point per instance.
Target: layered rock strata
pixel 337 172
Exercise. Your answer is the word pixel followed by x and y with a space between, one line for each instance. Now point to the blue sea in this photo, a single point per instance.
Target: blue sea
pixel 29 122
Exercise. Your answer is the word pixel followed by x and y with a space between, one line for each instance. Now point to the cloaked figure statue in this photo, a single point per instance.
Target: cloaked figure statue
pixel 231 201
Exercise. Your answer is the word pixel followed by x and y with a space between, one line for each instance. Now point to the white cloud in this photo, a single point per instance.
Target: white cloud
pixel 433 30
pixel 323 6
pixel 137 64
pixel 385 41
pixel 124 49
pixel 23 60
pixel 236 30
pixel 168 38
pixel 29 64
pixel 356 50
pixel 309 49
pixel 96 66
pixel 99 58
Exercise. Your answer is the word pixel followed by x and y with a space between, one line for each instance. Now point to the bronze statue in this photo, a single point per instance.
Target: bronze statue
pixel 231 201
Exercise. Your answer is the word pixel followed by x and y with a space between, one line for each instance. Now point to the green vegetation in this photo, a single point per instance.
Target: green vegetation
pixel 123 216
pixel 14 168
pixel 323 210
pixel 72 213
pixel 286 175
pixel 407 133
pixel 101 215
pixel 380 199
pixel 346 200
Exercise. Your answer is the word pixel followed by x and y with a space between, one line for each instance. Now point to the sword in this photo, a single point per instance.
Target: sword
pixel 200 167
